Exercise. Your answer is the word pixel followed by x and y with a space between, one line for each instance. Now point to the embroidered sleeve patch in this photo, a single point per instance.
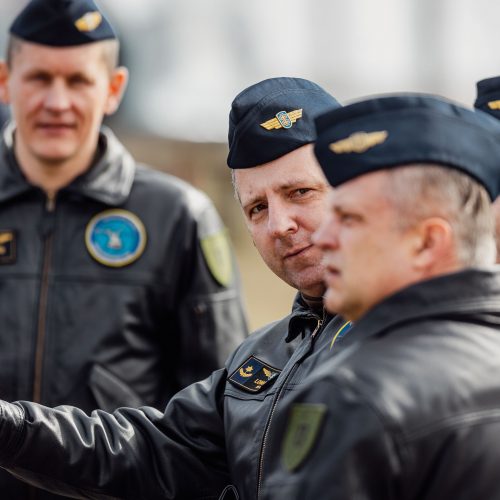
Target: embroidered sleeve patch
pixel 304 424
pixel 217 252
pixel 253 375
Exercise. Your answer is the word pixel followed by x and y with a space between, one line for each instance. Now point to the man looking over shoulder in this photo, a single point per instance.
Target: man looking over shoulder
pixel 215 432
pixel 410 409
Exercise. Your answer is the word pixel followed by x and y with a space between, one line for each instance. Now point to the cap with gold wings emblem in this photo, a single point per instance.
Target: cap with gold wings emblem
pixel 283 119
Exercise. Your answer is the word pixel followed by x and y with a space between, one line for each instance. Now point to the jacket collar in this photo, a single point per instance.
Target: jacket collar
pixel 301 313
pixel 468 292
pixel 109 180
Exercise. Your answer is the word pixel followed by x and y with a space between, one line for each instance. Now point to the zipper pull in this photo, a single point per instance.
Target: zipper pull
pixel 318 327
pixel 50 202
pixel 48 220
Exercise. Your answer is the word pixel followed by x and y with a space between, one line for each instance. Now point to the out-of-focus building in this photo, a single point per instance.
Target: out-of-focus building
pixel 189 58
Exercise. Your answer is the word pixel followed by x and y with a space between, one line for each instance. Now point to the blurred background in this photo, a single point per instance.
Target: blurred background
pixel 189 58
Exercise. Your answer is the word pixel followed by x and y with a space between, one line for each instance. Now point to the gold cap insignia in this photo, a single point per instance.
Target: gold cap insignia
pixel 359 142
pixel 89 22
pixel 283 119
pixel 494 105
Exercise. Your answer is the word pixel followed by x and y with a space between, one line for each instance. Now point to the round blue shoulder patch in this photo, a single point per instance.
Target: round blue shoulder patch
pixel 115 238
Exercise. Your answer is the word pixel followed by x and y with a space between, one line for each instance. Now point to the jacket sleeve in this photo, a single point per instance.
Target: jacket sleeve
pixel 129 454
pixel 210 315
pixel 331 444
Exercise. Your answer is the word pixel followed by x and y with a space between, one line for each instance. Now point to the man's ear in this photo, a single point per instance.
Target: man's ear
pixel 4 79
pixel 117 85
pixel 433 244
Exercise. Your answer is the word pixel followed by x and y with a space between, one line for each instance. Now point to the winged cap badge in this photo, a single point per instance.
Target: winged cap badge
pixel 89 22
pixel 494 105
pixel 283 119
pixel 359 142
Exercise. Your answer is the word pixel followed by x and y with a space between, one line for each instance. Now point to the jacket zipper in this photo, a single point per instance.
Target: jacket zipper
pixel 42 304
pixel 273 409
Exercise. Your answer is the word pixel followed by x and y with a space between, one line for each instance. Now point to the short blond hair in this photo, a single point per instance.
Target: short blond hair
pixel 111 50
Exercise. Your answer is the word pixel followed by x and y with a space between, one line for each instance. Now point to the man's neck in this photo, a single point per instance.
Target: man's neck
pixel 51 176
pixel 314 303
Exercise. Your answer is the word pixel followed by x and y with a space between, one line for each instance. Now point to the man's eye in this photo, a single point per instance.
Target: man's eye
pixel 347 218
pixel 257 209
pixel 78 80
pixel 302 191
pixel 39 77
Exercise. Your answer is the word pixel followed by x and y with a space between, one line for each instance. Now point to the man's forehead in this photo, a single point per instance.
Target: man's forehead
pixel 72 58
pixel 368 188
pixel 277 177
pixel 252 180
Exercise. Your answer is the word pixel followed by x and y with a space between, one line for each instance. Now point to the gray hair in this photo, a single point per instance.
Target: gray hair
pixel 422 191
pixel 235 190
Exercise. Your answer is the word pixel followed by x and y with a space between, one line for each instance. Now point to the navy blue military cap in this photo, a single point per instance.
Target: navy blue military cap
pixel 390 131
pixel 62 23
pixel 272 118
pixel 488 96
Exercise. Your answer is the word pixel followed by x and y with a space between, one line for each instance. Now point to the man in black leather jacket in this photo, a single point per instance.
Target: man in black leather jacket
pixel 411 408
pixel 118 286
pixel 213 433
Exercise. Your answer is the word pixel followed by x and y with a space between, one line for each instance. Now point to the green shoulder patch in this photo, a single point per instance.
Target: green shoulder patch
pixel 304 423
pixel 217 252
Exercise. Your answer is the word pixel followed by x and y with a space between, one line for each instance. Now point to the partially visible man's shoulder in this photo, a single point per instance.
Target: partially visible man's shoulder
pixel 163 187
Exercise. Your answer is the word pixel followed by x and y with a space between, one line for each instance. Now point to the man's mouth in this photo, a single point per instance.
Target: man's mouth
pixel 296 251
pixel 55 126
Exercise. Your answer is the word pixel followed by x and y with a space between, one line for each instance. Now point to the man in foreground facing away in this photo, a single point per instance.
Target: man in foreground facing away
pixel 411 408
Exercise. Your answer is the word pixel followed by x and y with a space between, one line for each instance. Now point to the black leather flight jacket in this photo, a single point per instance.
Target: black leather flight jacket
pixel 82 332
pixel 212 434
pixel 411 410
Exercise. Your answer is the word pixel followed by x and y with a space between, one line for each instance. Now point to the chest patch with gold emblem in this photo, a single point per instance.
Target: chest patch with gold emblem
pixel 253 375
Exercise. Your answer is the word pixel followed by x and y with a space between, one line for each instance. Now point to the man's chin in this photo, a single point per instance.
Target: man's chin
pixel 313 289
pixel 54 158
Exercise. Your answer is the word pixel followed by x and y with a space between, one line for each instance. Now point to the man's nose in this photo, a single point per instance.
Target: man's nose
pixel 57 97
pixel 281 220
